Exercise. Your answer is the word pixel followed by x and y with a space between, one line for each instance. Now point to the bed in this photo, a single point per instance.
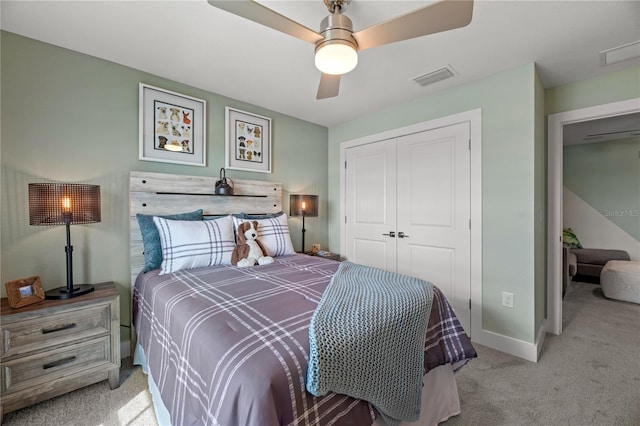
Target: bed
pixel 226 345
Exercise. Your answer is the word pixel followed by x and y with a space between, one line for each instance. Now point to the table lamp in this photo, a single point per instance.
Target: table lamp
pixel 303 205
pixel 65 204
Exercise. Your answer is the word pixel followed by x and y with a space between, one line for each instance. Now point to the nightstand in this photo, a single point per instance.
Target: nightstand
pixel 57 346
pixel 326 255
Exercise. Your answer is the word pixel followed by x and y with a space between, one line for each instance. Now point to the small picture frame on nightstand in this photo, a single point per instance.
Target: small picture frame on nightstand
pixel 24 291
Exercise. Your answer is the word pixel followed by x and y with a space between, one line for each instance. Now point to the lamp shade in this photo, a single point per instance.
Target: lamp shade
pixel 303 205
pixel 62 203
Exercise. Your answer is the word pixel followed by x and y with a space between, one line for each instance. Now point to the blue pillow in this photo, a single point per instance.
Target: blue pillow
pixel 151 237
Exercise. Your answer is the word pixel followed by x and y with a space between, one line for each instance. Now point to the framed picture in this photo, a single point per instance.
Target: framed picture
pixel 24 291
pixel 172 127
pixel 248 139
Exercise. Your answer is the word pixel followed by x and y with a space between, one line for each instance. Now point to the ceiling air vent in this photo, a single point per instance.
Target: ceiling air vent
pixel 435 76
pixel 620 53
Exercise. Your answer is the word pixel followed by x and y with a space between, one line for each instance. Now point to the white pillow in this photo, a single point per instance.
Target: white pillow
pixel 273 233
pixel 191 244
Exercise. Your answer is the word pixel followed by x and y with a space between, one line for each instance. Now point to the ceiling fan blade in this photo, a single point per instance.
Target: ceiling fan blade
pixel 329 86
pixel 263 15
pixel 437 17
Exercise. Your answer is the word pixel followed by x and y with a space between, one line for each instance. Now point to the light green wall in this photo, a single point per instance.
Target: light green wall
pixel 514 106
pixel 612 87
pixel 507 100
pixel 71 117
pixel 607 176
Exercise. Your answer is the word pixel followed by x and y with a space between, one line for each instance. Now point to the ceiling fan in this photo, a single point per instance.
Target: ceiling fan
pixel 336 43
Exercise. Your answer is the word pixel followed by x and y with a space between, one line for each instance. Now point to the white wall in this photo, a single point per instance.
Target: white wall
pixel 593 229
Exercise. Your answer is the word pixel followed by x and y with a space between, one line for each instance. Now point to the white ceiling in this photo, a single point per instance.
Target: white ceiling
pixel 194 43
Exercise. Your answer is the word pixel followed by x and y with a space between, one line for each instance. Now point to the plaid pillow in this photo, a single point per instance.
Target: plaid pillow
pixel 273 233
pixel 193 244
pixel 151 239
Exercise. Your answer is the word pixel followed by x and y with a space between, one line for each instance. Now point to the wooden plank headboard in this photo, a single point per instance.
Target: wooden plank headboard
pixel 161 193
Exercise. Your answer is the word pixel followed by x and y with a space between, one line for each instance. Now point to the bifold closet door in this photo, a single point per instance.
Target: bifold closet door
pixel 407 203
pixel 370 205
pixel 434 211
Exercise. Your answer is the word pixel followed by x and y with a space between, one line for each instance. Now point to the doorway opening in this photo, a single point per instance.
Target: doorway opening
pixel 556 123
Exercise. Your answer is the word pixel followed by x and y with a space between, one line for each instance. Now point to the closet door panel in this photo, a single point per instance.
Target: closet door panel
pixel 373 253
pixel 371 204
pixel 434 212
pixel 434 264
pixel 430 183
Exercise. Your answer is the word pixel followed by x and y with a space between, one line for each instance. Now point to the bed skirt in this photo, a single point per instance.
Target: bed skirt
pixel 437 406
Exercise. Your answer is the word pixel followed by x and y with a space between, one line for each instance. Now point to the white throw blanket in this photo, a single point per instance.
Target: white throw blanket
pixel 367 339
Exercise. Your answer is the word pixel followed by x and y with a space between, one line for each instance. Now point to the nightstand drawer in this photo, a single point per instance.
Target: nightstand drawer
pixel 41 333
pixel 45 367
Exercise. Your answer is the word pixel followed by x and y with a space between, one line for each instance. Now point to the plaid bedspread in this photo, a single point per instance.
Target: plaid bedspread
pixel 229 346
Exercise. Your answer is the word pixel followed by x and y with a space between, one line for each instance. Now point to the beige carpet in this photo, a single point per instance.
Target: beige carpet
pixel 588 376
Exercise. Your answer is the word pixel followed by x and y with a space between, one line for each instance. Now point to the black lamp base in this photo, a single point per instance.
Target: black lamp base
pixel 63 293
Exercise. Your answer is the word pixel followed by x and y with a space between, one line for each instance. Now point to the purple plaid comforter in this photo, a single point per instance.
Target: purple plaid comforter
pixel 229 346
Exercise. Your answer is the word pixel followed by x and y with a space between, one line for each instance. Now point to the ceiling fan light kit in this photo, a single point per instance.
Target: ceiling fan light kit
pixel 336 58
pixel 336 52
pixel 337 46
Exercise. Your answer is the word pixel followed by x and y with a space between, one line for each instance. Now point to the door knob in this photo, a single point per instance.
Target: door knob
pixel 391 234
pixel 401 235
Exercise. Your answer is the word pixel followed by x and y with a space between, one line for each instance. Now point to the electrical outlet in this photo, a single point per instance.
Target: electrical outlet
pixel 507 299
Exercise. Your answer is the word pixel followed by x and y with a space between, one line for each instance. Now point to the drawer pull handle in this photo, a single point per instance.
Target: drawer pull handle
pixel 59 362
pixel 62 327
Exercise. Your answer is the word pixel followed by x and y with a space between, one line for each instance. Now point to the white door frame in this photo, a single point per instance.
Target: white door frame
pixel 556 124
pixel 474 118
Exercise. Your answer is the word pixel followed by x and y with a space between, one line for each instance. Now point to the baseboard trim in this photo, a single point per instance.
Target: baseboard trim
pixel 516 347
